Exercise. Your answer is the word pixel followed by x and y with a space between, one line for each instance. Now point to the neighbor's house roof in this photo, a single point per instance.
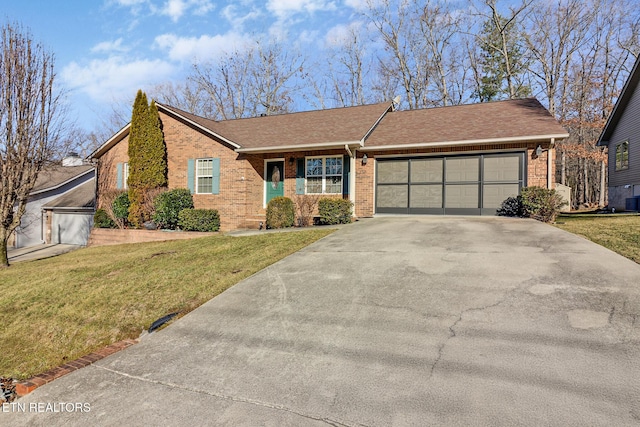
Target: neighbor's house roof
pixel 621 104
pixel 82 197
pixel 486 123
pixel 375 127
pixel 55 177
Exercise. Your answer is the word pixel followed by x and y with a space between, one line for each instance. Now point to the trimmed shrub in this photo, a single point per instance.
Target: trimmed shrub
pixel 280 212
pixel 101 219
pixel 512 206
pixel 120 208
pixel 541 203
pixel 169 204
pixel 199 220
pixel 335 211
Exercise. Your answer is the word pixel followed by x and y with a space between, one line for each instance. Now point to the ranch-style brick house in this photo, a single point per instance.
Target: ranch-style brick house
pixel 462 159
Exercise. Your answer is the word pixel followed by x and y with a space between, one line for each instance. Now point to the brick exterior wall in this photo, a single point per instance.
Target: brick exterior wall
pixel 240 201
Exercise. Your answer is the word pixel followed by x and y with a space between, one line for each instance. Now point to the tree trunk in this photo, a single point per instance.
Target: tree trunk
pixel 585 170
pixel 4 255
pixel 603 183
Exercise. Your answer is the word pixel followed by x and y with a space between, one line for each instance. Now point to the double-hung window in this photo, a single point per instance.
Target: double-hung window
pixel 622 156
pixel 324 175
pixel 204 176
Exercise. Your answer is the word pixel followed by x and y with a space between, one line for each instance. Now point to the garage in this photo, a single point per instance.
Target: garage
pixel 71 228
pixel 448 185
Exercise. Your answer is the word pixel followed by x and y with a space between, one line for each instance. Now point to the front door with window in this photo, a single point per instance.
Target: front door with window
pixel 274 180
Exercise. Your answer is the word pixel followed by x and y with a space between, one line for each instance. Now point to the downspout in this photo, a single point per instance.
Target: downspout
pixel 352 176
pixel 550 164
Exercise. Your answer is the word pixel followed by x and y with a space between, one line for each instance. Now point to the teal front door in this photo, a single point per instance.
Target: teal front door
pixel 274 179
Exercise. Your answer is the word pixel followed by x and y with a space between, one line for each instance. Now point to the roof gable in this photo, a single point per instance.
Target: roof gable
pixel 55 177
pixel 621 104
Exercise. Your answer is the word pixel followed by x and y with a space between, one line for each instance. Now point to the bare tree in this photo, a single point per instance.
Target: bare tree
pixel 405 62
pixel 347 76
pixel 29 126
pixel 260 79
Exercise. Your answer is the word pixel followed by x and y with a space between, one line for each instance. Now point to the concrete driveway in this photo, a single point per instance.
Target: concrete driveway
pixel 42 251
pixel 391 321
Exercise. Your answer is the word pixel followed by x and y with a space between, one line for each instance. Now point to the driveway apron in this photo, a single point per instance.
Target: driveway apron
pixel 389 321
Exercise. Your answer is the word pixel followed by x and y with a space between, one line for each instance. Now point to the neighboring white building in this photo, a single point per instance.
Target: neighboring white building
pixel 60 207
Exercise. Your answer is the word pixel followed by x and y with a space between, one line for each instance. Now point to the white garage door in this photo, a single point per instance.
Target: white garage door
pixel 71 228
pixel 450 185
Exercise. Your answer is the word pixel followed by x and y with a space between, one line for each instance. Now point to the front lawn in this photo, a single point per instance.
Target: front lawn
pixel 620 233
pixel 56 310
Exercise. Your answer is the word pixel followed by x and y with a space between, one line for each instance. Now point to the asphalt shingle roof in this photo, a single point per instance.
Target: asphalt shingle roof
pixel 81 197
pixel 516 118
pixel 55 176
pixel 311 127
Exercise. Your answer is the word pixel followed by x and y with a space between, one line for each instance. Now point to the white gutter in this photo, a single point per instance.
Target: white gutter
pixel 346 147
pixel 466 142
pixel 302 147
pixel 549 164
pixel 110 142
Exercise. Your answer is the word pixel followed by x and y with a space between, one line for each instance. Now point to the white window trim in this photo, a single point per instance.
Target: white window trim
pixel 619 146
pixel 125 175
pixel 324 174
pixel 197 176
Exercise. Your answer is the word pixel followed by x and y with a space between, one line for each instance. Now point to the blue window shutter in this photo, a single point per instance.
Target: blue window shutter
pixel 346 172
pixel 119 184
pixel 191 175
pixel 300 176
pixel 215 184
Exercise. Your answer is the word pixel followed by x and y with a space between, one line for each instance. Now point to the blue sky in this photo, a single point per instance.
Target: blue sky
pixel 107 49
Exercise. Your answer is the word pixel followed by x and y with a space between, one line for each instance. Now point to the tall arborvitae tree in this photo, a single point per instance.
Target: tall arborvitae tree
pixel 147 159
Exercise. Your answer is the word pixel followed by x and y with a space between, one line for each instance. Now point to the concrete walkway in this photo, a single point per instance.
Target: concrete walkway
pixel 391 321
pixel 31 253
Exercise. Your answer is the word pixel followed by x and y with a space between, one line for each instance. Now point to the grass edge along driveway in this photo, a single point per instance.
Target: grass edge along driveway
pixel 58 309
pixel 619 233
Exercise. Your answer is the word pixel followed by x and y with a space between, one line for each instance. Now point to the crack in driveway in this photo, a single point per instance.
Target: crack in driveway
pixel 452 331
pixel 273 406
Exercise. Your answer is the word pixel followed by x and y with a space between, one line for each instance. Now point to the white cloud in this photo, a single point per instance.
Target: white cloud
pixel 129 2
pixel 356 4
pixel 285 8
pixel 238 18
pixel 109 46
pixel 175 9
pixel 342 34
pixel 201 48
pixel 115 77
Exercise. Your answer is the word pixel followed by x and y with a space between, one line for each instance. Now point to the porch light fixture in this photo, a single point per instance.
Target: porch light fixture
pixel 291 160
pixel 539 151
pixel 364 160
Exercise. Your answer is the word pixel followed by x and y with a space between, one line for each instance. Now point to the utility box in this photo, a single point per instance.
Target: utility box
pixel 631 204
pixel 565 192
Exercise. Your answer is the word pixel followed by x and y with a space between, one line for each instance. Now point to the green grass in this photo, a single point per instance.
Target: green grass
pixel 58 309
pixel 620 233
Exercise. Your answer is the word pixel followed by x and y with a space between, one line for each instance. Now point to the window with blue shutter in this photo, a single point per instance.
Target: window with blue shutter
pixel 300 176
pixel 191 175
pixel 119 176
